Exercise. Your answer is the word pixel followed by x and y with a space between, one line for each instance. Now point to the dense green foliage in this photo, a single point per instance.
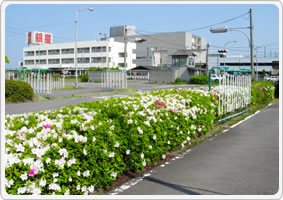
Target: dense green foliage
pixel 180 81
pixel 262 92
pixel 17 91
pixel 77 149
pixel 83 78
pixel 199 79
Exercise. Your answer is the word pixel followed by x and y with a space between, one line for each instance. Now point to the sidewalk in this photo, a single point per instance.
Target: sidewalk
pixel 242 161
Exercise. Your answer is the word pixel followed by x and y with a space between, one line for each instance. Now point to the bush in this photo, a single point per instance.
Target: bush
pixel 82 148
pixel 56 75
pixel 180 81
pixel 199 80
pixel 83 78
pixel 262 92
pixel 18 91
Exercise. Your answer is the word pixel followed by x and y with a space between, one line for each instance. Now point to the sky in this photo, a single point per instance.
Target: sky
pixel 59 19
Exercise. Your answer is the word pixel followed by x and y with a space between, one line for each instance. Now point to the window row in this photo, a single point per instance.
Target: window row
pixel 68 61
pixel 67 51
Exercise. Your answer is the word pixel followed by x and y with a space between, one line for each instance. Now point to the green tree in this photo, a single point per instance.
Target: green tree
pixel 7 59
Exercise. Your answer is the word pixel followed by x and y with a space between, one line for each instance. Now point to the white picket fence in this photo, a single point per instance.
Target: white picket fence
pixel 234 92
pixel 42 83
pixel 113 79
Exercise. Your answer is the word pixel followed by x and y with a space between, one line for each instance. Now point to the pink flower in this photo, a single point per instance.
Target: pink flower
pixel 198 134
pixel 174 110
pixel 47 126
pixel 32 172
pixel 199 126
pixel 163 104
pixel 215 96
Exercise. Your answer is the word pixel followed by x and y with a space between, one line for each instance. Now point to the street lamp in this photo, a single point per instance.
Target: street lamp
pixel 224 29
pixel 76 39
pixel 225 48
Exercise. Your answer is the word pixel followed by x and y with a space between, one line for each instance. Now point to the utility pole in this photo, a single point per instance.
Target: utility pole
pixel 251 44
pixel 207 47
pixel 125 46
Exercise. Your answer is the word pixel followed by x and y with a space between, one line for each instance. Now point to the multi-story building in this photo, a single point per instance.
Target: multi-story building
pixel 163 49
pixel 104 53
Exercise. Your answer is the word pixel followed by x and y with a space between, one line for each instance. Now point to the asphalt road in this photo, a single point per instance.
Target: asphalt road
pixel 242 161
pixel 85 89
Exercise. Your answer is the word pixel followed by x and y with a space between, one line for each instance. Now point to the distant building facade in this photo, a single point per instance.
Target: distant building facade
pixel 106 53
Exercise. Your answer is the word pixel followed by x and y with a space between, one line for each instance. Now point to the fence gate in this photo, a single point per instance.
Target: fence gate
pixel 234 90
pixel 113 79
pixel 42 83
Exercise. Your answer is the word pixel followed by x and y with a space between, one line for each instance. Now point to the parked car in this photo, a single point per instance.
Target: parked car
pixel 214 77
pixel 274 78
pixel 266 78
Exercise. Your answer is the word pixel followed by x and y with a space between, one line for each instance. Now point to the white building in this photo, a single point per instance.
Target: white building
pixel 105 53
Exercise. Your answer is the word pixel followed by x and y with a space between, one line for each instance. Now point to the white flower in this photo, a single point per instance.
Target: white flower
pixel 147 123
pixel 140 130
pixel 189 132
pixel 21 190
pixel 55 175
pixel 188 138
pixel 78 187
pixel 91 188
pixel 128 152
pixel 181 132
pixel 86 173
pixel 54 186
pixel 112 127
pixel 84 189
pixel 111 154
pixel 78 173
pixel 48 160
pixel 163 156
pixel 93 139
pixel 24 176
pixel 199 129
pixel 142 155
pixel 20 148
pixel 42 182
pixel 150 147
pixel 63 152
pixel 130 121
pixel 154 137
pixel 105 150
pixel 70 179
pixel 144 163
pixel 117 144
pixel 60 140
pixel 72 161
pixel 92 127
pixel 168 142
pixel 84 152
pixel 113 174
pixel 67 192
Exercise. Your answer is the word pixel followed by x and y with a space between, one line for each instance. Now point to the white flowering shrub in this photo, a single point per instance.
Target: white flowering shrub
pixel 83 148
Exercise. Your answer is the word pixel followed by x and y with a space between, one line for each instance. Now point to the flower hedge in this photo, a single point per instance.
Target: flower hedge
pixel 83 148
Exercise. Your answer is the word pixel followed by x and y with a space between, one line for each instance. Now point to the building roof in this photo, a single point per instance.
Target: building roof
pixel 147 68
pixel 184 52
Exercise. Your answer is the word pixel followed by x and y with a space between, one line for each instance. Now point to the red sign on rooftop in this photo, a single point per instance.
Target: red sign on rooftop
pixel 39 38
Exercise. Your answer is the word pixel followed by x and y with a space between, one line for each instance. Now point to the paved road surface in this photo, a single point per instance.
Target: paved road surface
pixel 86 88
pixel 241 161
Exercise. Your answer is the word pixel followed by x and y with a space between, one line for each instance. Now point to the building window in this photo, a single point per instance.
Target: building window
pixel 109 49
pixel 109 60
pixel 83 60
pixel 53 61
pixel 98 49
pixel 67 60
pixel 29 53
pixel 41 62
pixel 29 62
pixel 83 50
pixel 54 52
pixel 121 55
pixel 67 51
pixel 179 60
pixel 191 61
pixel 41 53
pixel 96 60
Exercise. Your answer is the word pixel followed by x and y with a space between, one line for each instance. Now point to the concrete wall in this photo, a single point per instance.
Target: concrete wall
pixel 94 76
pixel 169 75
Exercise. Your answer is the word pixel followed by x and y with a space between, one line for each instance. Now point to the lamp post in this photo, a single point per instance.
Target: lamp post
pixel 225 48
pixel 224 29
pixel 76 39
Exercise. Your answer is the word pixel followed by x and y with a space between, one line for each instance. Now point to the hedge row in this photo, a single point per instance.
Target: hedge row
pixel 18 91
pixel 79 149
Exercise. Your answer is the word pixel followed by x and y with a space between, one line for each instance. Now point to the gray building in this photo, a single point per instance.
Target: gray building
pixel 158 49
